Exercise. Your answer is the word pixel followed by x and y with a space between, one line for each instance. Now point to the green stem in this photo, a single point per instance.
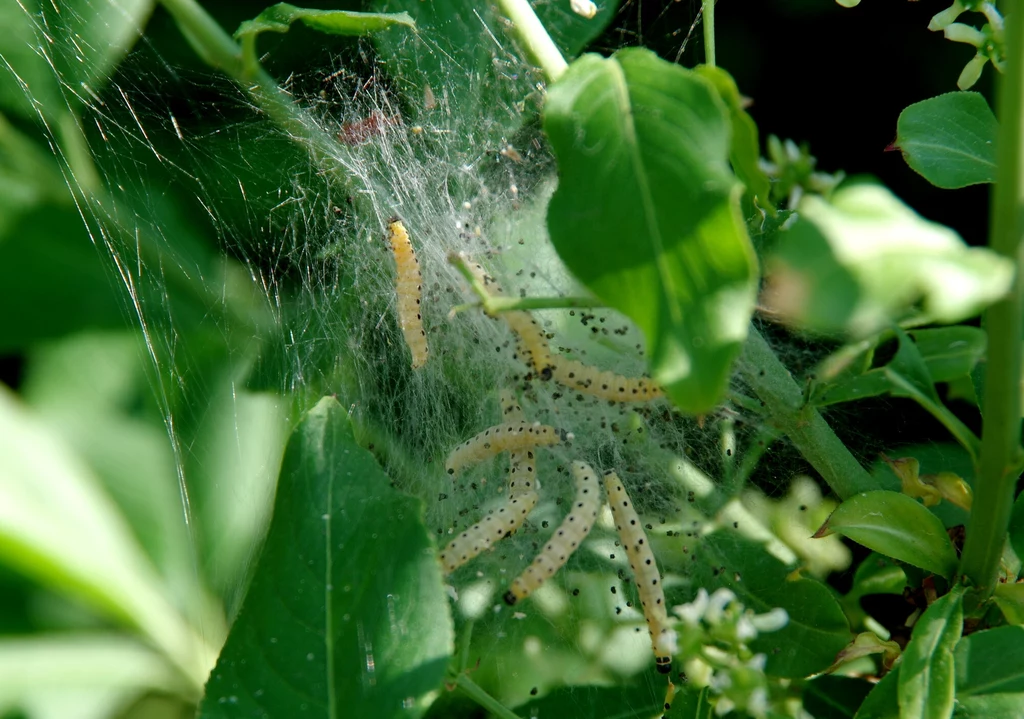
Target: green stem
pixel 708 10
pixel 539 46
pixel 803 424
pixel 485 700
pixel 1000 438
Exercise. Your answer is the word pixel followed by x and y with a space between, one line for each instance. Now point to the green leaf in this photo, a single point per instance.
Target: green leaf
pixel 926 671
pixel 28 85
pixel 883 701
pixel 1010 600
pixel 950 139
pixel 990 662
pixel 745 150
pixel 948 353
pixel 897 526
pixel 346 614
pixel 817 629
pixel 835 697
pixel 863 260
pixel 646 213
pixel 59 528
pixel 990 706
pixel 279 18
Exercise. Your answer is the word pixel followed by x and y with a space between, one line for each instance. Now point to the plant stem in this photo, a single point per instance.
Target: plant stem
pixel 485 700
pixel 802 423
pixel 708 10
pixel 535 39
pixel 1000 438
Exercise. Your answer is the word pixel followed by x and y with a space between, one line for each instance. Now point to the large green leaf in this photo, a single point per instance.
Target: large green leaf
pixel 990 706
pixel 926 672
pixel 862 260
pixel 990 662
pixel 58 527
pixel 950 139
pixel 835 697
pixel 646 213
pixel 636 700
pixel 897 526
pixel 817 628
pixel 346 614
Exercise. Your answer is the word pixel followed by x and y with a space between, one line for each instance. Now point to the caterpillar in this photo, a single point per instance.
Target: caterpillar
pixel 409 286
pixel 645 571
pixel 479 538
pixel 501 438
pixel 570 533
pixel 522 468
pixel 606 385
pixel 534 350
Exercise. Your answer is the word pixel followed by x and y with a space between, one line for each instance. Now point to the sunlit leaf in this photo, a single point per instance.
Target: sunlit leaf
pixel 817 629
pixel 745 150
pixel 990 706
pixel 864 259
pixel 990 662
pixel 280 17
pixel 646 213
pixel 1010 600
pixel 58 527
pixel 927 672
pixel 346 614
pixel 950 139
pixel 897 526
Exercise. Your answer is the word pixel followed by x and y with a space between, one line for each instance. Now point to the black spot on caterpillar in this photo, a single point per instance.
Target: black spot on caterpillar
pixel 566 539
pixel 501 438
pixel 409 286
pixel 522 473
pixel 645 571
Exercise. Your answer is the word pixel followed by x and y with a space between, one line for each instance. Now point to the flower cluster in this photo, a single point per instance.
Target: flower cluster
pixel 715 652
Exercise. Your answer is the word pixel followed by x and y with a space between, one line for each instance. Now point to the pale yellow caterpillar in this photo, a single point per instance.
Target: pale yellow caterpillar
pixel 606 385
pixel 566 539
pixel 479 538
pixel 534 350
pixel 522 477
pixel 645 571
pixel 409 287
pixel 512 436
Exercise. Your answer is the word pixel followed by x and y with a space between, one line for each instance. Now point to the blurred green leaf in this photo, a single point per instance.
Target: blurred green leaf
pixel 69 667
pixel 817 628
pixel 948 353
pixel 646 213
pixel 28 86
pixel 58 527
pixel 950 139
pixel 990 662
pixel 744 148
pixel 346 613
pixel 883 701
pixel 463 67
pixel 926 672
pixel 1010 600
pixel 990 706
pixel 864 259
pixel 279 18
pixel 835 697
pixel 897 526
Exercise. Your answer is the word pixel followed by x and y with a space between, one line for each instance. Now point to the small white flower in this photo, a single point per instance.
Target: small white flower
pixel 584 8
pixel 692 613
pixel 724 706
pixel 947 16
pixel 771 621
pixel 717 604
pixel 757 703
pixel 745 629
pixel 757 662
